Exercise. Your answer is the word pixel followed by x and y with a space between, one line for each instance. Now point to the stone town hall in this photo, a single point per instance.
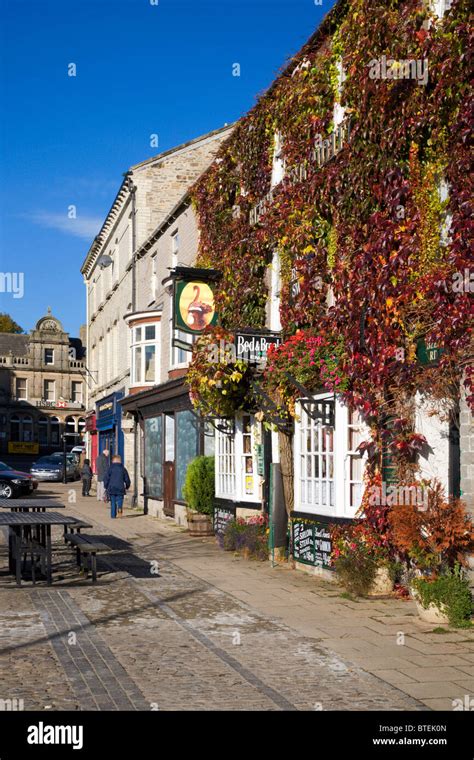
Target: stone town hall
pixel 42 377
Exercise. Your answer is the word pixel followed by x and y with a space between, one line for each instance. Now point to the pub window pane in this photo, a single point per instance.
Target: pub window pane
pixel 186 447
pixel 150 353
pixel 153 444
pixel 138 364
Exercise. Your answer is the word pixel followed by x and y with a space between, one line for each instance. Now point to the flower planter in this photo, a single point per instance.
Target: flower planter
pixel 199 525
pixel 382 584
pixel 431 614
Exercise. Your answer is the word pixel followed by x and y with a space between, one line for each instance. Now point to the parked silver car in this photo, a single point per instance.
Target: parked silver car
pixel 52 468
pixel 72 460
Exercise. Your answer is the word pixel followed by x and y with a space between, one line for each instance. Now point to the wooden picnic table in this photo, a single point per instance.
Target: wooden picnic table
pixel 25 505
pixel 21 526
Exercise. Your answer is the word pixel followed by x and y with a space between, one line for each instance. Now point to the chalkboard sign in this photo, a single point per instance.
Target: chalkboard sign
pixel 312 543
pixel 222 515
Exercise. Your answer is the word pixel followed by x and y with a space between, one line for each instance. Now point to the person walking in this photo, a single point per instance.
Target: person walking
pixel 86 477
pixel 101 467
pixel 116 483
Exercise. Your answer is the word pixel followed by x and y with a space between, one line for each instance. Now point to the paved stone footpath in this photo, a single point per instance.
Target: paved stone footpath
pixel 159 632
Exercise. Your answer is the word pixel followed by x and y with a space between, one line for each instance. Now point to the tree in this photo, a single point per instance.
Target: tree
pixel 8 325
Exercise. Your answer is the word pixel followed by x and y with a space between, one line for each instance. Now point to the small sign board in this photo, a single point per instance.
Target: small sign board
pixel 312 543
pixel 17 447
pixel 253 347
pixel 428 353
pixel 222 516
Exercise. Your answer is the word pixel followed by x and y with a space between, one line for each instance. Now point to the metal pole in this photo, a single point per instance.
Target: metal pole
pixel 64 459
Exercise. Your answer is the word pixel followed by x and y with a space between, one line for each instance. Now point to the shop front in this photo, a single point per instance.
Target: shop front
pixel 171 437
pixel 109 424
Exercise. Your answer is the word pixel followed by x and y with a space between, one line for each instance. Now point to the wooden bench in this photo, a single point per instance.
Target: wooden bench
pixel 69 530
pixel 88 546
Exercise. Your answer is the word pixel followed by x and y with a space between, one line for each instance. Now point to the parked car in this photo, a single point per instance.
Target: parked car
pixel 79 450
pixel 72 460
pixel 52 468
pixel 14 483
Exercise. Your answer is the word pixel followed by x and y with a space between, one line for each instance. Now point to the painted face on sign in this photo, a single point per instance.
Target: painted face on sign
pixel 196 305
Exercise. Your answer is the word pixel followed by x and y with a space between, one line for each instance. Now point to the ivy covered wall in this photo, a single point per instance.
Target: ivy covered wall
pixel 363 231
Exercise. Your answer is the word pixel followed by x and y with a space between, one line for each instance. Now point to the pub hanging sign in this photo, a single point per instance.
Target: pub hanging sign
pixel 193 299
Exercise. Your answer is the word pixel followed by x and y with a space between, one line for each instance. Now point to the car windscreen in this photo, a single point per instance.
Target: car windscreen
pixel 4 466
pixel 48 460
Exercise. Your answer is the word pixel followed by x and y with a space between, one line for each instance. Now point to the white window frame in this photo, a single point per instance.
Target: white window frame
pixel 174 248
pixel 49 380
pixel 275 292
pixel 339 111
pixel 175 354
pixel 81 394
pixel 17 396
pixel 230 479
pixel 278 162
pixel 140 342
pixel 154 277
pixel 226 479
pixel 444 189
pixel 439 7
pixel 341 462
pixel 49 364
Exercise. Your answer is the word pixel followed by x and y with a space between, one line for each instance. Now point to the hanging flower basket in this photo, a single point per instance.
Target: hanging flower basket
pixel 315 361
pixel 219 384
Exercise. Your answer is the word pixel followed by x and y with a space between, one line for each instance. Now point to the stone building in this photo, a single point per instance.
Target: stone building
pixel 168 434
pixel 117 285
pixel 41 388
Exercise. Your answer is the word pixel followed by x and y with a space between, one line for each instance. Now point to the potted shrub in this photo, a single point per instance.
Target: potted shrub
pixel 435 541
pixel 445 599
pixel 199 494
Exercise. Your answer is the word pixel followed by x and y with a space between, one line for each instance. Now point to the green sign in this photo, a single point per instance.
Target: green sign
pixel 312 543
pixel 428 353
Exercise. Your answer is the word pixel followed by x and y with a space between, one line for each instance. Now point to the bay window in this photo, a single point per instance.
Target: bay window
pixel 328 468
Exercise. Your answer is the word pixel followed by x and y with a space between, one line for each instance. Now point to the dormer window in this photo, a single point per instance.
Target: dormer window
pixel 49 355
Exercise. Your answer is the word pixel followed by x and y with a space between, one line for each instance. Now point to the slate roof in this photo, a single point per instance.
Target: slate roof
pixel 16 343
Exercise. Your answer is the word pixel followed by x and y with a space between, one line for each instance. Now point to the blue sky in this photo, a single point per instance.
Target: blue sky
pixel 141 69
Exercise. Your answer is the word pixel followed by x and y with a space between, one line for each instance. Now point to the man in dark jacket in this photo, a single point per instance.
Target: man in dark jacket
pixel 86 477
pixel 101 467
pixel 116 483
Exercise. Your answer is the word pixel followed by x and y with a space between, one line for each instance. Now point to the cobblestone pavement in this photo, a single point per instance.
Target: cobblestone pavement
pixel 149 637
